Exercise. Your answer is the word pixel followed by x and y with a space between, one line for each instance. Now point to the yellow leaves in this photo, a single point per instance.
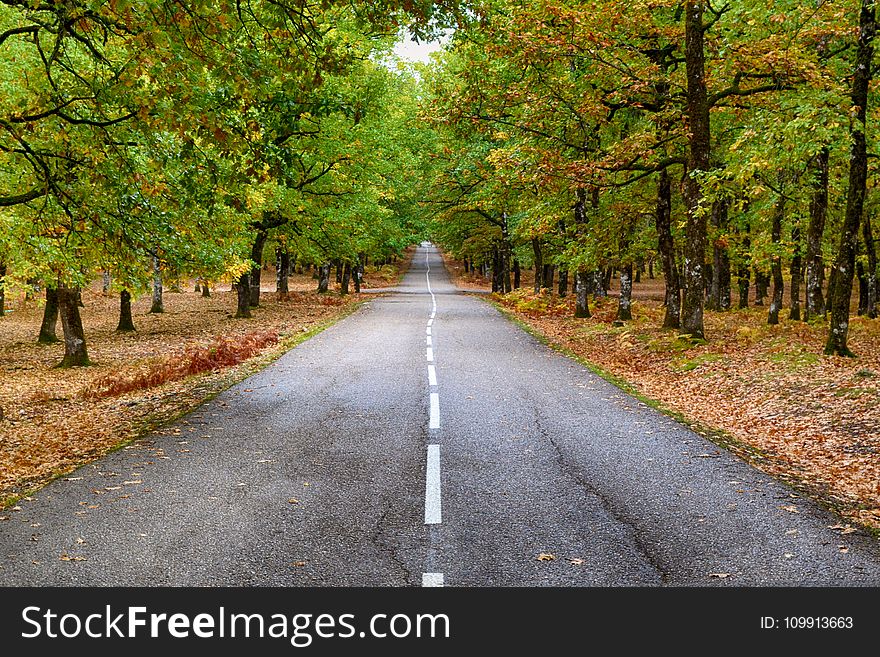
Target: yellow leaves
pixel 546 556
pixel 790 508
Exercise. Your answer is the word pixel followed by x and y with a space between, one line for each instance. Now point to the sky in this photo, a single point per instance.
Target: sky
pixel 416 52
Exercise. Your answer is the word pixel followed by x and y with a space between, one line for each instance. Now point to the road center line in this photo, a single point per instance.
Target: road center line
pixel 428 340
pixel 432 579
pixel 432 376
pixel 432 487
pixel 430 354
pixel 430 321
pixel 428 331
pixel 434 422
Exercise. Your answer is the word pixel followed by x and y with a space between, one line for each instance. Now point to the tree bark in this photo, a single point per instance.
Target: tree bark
pixel 563 282
pixel 796 273
pixel 282 271
pixel 582 293
pixel 624 303
pixel 48 327
pixel 871 269
pixel 666 247
pixel 815 303
pixel 243 294
pixel 105 282
pixel 346 277
pixel 776 262
pixel 359 273
pixel 255 278
pixel 75 352
pixel 206 290
pixel 547 277
pixel 762 282
pixel 720 287
pixel 517 274
pixel 126 323
pixel 697 162
pixel 324 278
pixel 856 189
pixel 863 288
pixel 157 305
pixel 2 289
pixel 539 263
pixel 338 265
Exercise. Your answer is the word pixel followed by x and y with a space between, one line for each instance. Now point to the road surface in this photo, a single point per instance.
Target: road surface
pixel 426 440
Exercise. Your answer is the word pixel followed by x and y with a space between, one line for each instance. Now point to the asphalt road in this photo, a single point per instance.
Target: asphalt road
pixel 342 464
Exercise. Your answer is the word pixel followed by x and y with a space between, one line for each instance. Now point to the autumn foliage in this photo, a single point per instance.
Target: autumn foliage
pixel 221 352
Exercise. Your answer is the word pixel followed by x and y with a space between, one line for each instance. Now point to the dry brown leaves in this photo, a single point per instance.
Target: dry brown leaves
pixel 52 419
pixel 811 419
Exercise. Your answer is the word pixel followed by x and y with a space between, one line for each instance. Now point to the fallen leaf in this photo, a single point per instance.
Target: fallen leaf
pixel 842 549
pixel 293 500
pixel 80 540
pixel 298 564
pixel 576 562
pixel 788 555
pixel 719 575
pixel 546 556
pixel 66 557
pixel 790 509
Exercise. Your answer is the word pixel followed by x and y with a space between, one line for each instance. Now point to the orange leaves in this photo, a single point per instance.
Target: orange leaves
pixel 222 352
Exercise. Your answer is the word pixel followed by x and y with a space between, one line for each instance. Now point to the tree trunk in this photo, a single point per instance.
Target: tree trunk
pixel 539 263
pixel 776 262
pixel 582 293
pixel 243 292
pixel 49 325
pixel 815 304
pixel 282 271
pixel 206 290
pixel 75 353
pixel 666 246
pixel 697 161
pixel 2 289
pixel 324 278
pixel 855 198
pixel 255 278
pixel 157 306
pixel 338 265
pixel 796 273
pixel 346 277
pixel 762 282
pixel 863 288
pixel 547 277
pixel 563 282
pixel 359 273
pixel 624 304
pixel 126 323
pixel 871 269
pixel 720 286
pixel 599 285
pixel 105 282
pixel 517 274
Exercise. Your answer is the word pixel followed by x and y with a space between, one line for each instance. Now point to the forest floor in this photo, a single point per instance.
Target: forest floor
pixel 52 420
pixel 765 392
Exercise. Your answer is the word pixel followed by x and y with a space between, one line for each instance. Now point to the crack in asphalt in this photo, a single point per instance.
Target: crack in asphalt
pixel 632 529
pixel 391 553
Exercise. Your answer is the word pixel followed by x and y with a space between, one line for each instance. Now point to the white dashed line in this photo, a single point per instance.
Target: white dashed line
pixel 430 321
pixel 428 340
pixel 432 487
pixel 434 422
pixel 428 331
pixel 430 355
pixel 432 579
pixel 432 376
